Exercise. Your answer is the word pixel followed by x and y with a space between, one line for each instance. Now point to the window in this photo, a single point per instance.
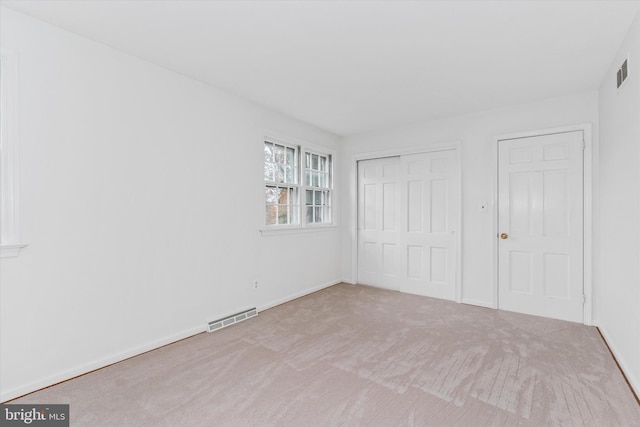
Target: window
pixel 297 177
pixel 9 239
pixel 281 184
pixel 318 188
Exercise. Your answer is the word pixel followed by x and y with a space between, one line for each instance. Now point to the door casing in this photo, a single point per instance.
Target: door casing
pixel 587 212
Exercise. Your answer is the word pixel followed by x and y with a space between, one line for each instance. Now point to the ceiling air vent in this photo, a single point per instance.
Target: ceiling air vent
pixel 622 73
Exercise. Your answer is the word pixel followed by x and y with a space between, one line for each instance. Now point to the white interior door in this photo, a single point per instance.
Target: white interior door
pixel 378 222
pixel 407 223
pixel 429 233
pixel 540 225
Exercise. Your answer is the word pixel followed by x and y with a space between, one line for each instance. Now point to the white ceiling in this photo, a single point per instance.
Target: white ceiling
pixel 353 66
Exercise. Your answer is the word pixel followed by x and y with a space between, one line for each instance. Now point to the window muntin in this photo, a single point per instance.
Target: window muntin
pixel 298 185
pixel 282 201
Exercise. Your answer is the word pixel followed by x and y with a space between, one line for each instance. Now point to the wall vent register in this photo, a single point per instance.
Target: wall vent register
pixel 230 320
pixel 622 74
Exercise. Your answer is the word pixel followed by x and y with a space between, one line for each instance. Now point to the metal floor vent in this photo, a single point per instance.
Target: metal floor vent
pixel 230 320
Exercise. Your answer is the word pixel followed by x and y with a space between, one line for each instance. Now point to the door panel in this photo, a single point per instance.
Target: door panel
pixel 540 208
pixel 431 192
pixel 413 228
pixel 415 206
pixel 378 213
pixel 389 206
pixel 370 204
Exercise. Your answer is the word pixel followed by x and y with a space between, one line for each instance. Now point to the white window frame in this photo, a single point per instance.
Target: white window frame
pixel 292 186
pixel 326 203
pixel 9 207
pixel 301 224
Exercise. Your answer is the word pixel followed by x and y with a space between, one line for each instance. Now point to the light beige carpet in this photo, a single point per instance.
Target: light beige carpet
pixel 359 356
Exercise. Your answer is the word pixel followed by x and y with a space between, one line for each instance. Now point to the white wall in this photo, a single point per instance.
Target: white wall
pixel 476 133
pixel 141 197
pixel 618 253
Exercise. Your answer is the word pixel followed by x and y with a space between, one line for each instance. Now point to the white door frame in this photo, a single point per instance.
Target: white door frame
pixel 588 209
pixel 457 147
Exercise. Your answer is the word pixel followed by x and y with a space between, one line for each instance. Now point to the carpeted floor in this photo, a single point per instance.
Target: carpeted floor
pixel 360 356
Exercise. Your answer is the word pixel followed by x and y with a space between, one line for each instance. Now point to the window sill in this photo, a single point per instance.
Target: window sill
pixel 11 251
pixel 297 230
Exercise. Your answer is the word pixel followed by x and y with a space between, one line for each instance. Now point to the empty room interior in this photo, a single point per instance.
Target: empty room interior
pixel 321 212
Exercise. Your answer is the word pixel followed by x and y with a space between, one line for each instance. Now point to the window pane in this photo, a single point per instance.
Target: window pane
pixel 308 160
pixel 310 215
pixel 317 214
pixel 289 175
pixel 283 214
pixel 293 196
pixel 324 181
pixel 327 214
pixel 315 179
pixel 281 170
pixel 270 217
pixel 307 175
pixel 290 156
pixel 269 174
pixel 314 162
pixel 323 164
pixel 271 195
pixel 279 154
pixel 293 214
pixel 309 197
pixel 282 196
pixel 268 152
pixel 318 198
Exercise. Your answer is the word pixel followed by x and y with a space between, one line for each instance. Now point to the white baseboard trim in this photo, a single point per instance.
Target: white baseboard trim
pixel 297 295
pixel 6 395
pixel 477 302
pixel 634 382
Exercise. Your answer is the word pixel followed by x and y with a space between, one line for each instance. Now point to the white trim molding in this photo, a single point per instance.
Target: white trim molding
pixel 9 202
pixel 633 381
pixel 297 295
pixel 90 366
pixel 8 251
pixel 586 129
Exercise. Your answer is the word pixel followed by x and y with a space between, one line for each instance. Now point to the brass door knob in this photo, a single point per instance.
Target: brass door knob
pixel 504 235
